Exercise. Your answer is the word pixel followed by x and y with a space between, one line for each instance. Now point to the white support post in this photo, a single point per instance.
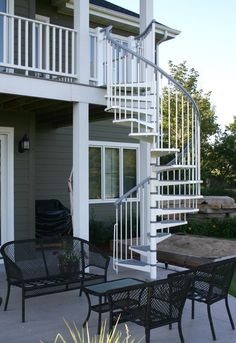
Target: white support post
pixel 146 16
pixel 100 58
pixel 81 25
pixel 81 124
pixel 80 171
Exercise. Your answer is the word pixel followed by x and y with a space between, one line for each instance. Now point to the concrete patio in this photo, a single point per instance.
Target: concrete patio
pixel 44 317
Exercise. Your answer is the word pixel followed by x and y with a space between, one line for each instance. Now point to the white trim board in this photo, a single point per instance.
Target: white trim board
pixel 7 183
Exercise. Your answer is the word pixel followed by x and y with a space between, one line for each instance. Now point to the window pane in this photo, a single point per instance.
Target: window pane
pixel 129 169
pixel 111 173
pixel 94 173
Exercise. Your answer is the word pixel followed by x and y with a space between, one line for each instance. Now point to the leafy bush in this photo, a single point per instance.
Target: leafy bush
pixel 84 337
pixel 99 232
pixel 225 228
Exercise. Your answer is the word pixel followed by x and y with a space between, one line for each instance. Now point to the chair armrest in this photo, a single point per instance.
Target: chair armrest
pixel 93 257
pixel 12 270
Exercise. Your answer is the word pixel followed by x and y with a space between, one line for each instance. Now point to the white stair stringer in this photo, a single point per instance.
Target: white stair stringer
pixel 158 110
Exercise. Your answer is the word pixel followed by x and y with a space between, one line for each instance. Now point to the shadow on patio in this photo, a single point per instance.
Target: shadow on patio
pixel 44 317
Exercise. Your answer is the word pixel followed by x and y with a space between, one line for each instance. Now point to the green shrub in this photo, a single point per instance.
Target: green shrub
pixel 85 337
pixel 224 228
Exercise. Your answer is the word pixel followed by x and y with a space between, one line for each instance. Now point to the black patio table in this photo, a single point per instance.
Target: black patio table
pixel 102 290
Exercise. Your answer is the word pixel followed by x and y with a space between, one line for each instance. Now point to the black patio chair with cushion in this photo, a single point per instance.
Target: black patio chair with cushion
pixel 153 304
pixel 211 284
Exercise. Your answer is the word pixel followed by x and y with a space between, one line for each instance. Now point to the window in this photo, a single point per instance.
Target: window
pixel 95 173
pixel 112 173
pixel 112 170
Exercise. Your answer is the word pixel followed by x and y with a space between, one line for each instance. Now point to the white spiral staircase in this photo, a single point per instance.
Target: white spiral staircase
pixel 160 111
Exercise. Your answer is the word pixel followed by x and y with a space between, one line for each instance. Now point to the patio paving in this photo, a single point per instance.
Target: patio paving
pixel 44 317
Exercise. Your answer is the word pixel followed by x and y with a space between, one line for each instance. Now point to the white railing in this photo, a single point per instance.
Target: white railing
pixel 37 48
pixel 168 105
pixel 127 229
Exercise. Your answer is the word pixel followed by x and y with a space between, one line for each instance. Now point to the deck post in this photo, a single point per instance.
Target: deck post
pixel 81 125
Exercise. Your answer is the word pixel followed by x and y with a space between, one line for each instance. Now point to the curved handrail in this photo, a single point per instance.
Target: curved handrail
pixel 132 190
pixel 107 31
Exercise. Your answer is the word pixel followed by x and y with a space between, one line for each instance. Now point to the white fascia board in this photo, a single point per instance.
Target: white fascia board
pixel 45 89
pixel 123 18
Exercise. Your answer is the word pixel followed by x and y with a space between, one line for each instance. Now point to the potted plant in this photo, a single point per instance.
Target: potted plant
pixel 69 262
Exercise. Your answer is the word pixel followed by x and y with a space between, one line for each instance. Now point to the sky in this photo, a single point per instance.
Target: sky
pixel 207 42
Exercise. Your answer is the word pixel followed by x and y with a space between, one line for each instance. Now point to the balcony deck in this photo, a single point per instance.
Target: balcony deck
pixel 44 318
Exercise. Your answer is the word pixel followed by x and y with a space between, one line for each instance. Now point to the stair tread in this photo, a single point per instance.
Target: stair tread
pixel 140 247
pixel 142 122
pixel 176 182
pixel 175 166
pixel 175 210
pixel 176 196
pixel 170 222
pixel 133 262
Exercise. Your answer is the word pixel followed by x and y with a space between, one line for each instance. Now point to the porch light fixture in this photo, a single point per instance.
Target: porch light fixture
pixel 24 144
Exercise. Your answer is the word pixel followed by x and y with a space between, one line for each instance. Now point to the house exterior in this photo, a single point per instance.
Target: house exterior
pixel 61 80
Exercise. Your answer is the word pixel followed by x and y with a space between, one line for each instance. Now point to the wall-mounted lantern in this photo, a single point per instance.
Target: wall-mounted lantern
pixel 24 144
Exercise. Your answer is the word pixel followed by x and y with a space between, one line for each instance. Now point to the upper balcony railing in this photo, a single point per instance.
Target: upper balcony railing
pixel 35 48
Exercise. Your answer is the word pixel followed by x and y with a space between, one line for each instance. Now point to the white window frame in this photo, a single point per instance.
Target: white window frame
pixel 121 146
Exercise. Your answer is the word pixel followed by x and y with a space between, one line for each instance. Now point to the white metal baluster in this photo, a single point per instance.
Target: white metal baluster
pixel 169 115
pixel 182 129
pixel 12 41
pixel 67 52
pixel 54 49
pixel 19 43
pixel 73 53
pixel 26 46
pixel 143 210
pixel 126 229
pixel 33 45
pixel 188 146
pixel 40 53
pixel 176 121
pixel 131 224
pixel 125 85
pixel 161 114
pixel 5 40
pixel 121 231
pixel 137 217
pixel 60 50
pixel 47 49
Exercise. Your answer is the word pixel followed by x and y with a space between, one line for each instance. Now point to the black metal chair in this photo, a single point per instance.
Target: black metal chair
pixel 211 284
pixel 52 218
pixel 152 304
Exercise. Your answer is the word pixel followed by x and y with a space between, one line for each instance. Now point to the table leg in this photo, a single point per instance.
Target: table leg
pixel 89 309
pixel 99 315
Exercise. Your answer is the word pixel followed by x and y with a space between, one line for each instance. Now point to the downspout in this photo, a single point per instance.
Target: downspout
pixel 157 46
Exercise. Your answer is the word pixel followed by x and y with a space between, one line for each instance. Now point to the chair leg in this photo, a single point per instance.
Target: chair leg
pixel 229 314
pixel 211 322
pixel 193 308
pixel 7 297
pixel 147 335
pixel 23 306
pixel 180 332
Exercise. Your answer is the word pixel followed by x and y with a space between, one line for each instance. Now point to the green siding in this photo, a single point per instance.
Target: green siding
pixel 23 172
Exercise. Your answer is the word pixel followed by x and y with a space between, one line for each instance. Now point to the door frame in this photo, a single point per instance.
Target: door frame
pixel 7 184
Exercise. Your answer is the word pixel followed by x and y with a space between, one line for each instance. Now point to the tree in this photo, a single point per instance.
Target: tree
pixel 222 157
pixel 188 78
